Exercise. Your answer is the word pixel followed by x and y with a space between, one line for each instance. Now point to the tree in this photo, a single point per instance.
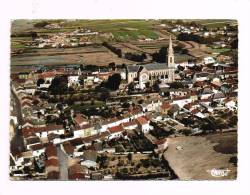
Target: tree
pixel 33 35
pixel 112 65
pixel 113 82
pixel 233 120
pixel 40 81
pixel 156 85
pixel 59 85
pixel 41 24
pixel 147 84
pixel 176 85
pixel 234 44
pixel 81 79
pixel 129 156
pixel 131 86
pixel 104 95
pixel 160 56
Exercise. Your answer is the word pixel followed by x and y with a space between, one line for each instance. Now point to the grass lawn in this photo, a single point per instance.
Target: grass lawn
pixel 222 50
pixel 87 105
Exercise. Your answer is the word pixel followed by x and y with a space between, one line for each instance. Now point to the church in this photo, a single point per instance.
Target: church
pixel 142 74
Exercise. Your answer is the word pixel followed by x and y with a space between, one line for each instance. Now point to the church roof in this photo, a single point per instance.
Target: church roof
pixel 156 66
pixel 149 67
pixel 133 68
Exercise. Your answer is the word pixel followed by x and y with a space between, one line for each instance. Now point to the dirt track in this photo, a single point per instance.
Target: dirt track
pixel 199 156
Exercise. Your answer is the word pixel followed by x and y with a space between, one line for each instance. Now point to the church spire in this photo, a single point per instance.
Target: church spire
pixel 170 46
pixel 170 53
pixel 170 61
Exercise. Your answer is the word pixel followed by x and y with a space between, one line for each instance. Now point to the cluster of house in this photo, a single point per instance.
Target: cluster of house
pixel 60 40
pixel 190 92
pixel 186 29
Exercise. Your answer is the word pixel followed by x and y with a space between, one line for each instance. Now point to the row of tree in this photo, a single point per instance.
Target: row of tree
pixel 197 38
pixel 135 57
pixel 115 50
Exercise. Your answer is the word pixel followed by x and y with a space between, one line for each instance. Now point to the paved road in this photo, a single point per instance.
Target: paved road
pixel 17 142
pixel 63 164
pixel 17 108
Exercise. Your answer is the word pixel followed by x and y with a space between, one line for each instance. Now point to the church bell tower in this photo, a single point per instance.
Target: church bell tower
pixel 170 62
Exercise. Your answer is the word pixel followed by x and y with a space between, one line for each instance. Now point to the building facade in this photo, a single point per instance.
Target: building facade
pixel 150 73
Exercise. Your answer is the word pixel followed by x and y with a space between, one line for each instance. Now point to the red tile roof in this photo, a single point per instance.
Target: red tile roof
pixel 37 147
pixel 79 119
pixel 130 123
pixel 76 172
pixel 142 120
pixel 53 175
pixel 52 162
pixel 181 98
pixel 50 151
pixel 69 149
pixel 42 129
pixel 27 132
pixel 116 129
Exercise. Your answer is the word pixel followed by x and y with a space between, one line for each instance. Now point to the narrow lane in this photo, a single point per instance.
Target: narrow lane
pixel 17 142
pixel 63 163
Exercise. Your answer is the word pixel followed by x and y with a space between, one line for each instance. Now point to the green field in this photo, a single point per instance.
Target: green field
pixel 222 50
pixel 122 30
pixel 215 23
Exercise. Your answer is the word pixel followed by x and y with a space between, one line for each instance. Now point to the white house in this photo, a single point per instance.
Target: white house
pixel 209 60
pixel 152 106
pixel 73 79
pixel 230 104
pixel 143 124
pixel 115 132
pixel 182 101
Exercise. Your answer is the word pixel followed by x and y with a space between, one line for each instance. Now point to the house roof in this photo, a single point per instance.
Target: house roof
pixel 27 132
pixel 201 74
pixel 43 129
pixel 50 150
pixel 195 111
pixel 76 142
pixel 32 140
pixel 181 97
pixel 142 120
pixel 166 105
pixel 207 90
pixel 90 155
pixel 53 175
pixel 79 119
pixel 68 148
pixel 115 129
pixel 130 123
pixel 219 95
pixel 76 172
pixel 109 121
pixel 52 162
pixel 37 147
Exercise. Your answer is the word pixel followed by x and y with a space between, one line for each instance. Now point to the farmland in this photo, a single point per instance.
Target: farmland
pixel 56 56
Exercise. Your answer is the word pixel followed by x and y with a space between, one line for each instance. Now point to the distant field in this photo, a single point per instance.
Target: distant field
pixel 123 30
pixel 222 50
pixel 215 23
pixel 83 55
